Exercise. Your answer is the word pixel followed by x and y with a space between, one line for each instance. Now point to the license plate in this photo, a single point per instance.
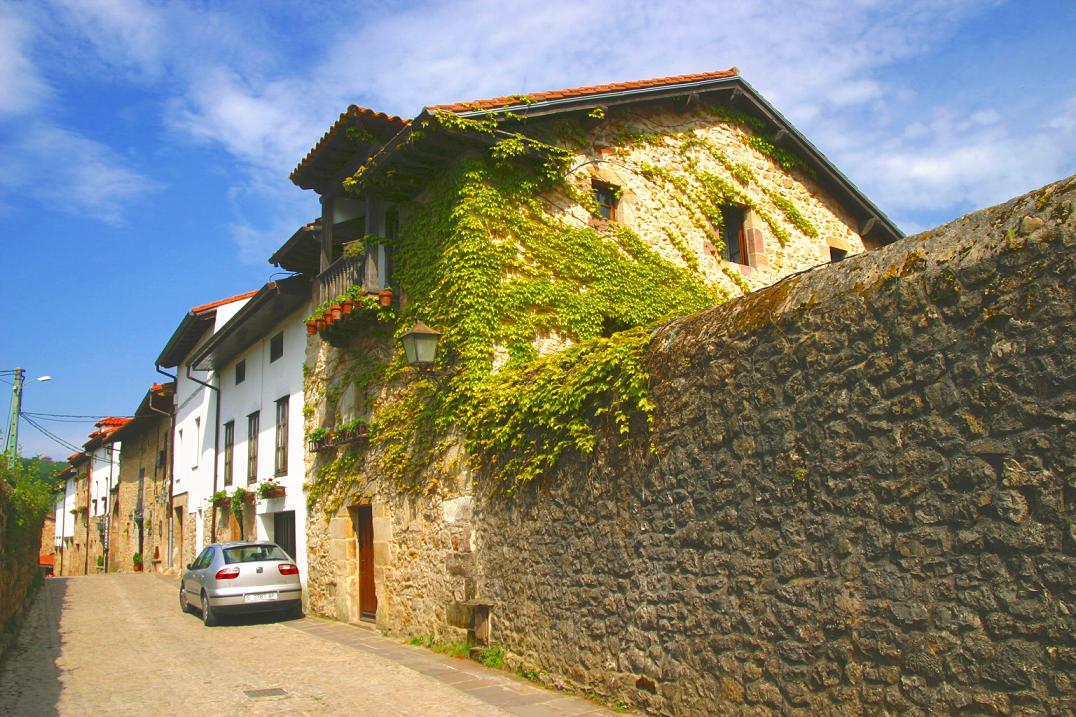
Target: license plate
pixel 259 597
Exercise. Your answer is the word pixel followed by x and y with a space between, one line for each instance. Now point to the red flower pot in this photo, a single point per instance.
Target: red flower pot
pixel 311 327
pixel 385 297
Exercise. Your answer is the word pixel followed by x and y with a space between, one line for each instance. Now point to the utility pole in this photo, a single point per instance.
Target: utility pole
pixel 11 449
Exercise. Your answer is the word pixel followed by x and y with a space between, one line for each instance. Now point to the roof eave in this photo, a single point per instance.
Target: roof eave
pixel 216 351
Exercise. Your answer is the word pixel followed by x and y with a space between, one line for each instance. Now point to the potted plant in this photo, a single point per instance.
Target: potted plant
pixel 317 437
pixel 385 297
pixel 269 488
pixel 311 327
pixel 242 495
pixel 136 562
pixel 100 562
pixel 220 499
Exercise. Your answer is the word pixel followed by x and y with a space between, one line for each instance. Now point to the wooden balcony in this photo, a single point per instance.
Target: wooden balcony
pixel 340 276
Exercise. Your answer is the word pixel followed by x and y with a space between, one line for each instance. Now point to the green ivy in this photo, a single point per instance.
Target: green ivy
pixel 481 260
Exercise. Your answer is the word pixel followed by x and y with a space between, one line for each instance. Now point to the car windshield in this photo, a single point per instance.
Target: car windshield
pixel 253 554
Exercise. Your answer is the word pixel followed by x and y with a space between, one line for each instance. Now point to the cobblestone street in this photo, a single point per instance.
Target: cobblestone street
pixel 119 645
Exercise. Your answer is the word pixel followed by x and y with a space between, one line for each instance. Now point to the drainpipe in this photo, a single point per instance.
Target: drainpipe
pixel 106 548
pixel 216 446
pixel 171 473
pixel 172 421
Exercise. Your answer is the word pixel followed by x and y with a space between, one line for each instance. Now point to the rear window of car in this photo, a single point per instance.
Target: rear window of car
pixel 253 554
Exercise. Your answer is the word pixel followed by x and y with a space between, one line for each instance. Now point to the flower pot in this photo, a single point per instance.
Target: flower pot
pixel 249 497
pixel 222 502
pixel 338 311
pixel 275 492
pixel 347 306
pixel 137 568
pixel 311 327
pixel 320 323
pixel 385 297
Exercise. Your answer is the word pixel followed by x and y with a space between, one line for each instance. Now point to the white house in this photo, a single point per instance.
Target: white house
pixel 256 362
pixel 194 439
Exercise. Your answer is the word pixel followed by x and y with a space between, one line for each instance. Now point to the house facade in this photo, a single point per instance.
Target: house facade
pixel 144 482
pixel 519 228
pixel 255 360
pixel 194 477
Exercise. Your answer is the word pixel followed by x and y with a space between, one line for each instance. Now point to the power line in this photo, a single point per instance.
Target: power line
pixel 65 444
pixel 50 416
pixel 50 434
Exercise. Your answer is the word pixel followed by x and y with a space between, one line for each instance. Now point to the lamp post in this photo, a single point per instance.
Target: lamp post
pixel 11 449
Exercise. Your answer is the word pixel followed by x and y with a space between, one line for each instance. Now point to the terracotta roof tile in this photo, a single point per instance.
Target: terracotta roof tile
pixel 222 302
pixel 582 91
pixel 352 112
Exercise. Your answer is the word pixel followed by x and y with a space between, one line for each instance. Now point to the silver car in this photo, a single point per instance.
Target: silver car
pixel 244 577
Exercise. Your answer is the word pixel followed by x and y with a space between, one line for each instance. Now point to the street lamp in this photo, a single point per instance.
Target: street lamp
pixel 420 345
pixel 11 449
pixel 420 350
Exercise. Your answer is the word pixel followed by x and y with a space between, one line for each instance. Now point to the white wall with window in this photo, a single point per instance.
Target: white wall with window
pixel 195 429
pixel 104 474
pixel 262 398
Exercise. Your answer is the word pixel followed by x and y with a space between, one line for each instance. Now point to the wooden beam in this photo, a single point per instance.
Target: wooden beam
pixel 868 226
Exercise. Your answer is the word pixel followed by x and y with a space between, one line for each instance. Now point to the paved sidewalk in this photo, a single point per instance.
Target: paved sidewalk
pixel 494 687
pixel 119 645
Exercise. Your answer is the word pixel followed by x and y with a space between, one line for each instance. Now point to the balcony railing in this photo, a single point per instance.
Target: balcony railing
pixel 340 276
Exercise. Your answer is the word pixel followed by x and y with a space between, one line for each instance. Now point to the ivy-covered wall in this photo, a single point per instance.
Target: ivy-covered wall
pixel 545 311
pixel 855 497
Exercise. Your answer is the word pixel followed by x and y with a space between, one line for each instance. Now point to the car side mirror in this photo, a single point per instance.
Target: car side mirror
pixel 190 565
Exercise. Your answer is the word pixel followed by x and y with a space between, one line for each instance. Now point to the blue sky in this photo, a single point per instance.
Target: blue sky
pixel 145 147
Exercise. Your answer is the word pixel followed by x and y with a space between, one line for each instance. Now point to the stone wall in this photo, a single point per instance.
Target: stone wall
pixel 858 498
pixel 140 449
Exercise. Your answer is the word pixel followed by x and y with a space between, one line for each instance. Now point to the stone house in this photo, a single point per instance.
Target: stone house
pixel 102 451
pixel 141 502
pixel 255 361
pixel 195 437
pixel 531 231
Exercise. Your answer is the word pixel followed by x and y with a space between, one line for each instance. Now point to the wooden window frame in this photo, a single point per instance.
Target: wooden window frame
pixel 240 372
pixel 598 188
pixel 276 347
pixel 280 454
pixel 229 452
pixel 253 428
pixel 741 235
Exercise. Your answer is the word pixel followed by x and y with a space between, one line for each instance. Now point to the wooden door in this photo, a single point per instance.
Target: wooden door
pixel 367 597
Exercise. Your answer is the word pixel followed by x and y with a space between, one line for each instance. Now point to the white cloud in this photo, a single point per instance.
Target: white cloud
pixel 126 35
pixel 965 162
pixel 70 173
pixel 21 87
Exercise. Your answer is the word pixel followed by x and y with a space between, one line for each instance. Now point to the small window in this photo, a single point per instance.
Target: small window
pixel 836 254
pixel 240 372
pixel 281 460
pixel 197 445
pixel 733 234
pixel 607 196
pixel 252 447
pixel 229 451
pixel 276 347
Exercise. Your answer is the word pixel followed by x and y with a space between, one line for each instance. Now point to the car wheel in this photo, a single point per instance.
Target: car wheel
pixel 209 618
pixel 184 604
